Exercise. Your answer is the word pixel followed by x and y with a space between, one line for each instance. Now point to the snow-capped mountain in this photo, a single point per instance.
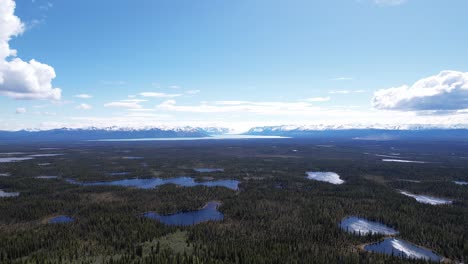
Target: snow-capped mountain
pixel 364 132
pixel 95 133
pixel 355 131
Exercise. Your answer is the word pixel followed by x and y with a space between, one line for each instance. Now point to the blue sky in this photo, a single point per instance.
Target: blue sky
pixel 233 63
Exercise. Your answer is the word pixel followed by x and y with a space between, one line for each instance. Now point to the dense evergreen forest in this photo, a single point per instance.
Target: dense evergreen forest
pixel 276 216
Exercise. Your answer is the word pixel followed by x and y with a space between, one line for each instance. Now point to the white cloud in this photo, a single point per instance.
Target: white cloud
pixel 84 107
pixel 346 91
pixel 20 79
pixel 263 108
pixel 192 91
pixel 342 79
pixel 84 96
pixel 129 104
pixel 446 91
pixel 20 110
pixel 318 99
pixel 390 2
pixel 134 100
pixel 159 95
pixel 44 113
pixel 174 87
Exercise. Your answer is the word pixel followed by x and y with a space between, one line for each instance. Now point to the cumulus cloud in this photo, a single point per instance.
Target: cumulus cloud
pixel 20 110
pixel 159 95
pixel 446 91
pixel 84 107
pixel 84 96
pixel 20 79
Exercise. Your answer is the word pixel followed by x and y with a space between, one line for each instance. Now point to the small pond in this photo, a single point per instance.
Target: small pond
pixel 8 194
pixel 401 248
pixel 361 226
pixel 208 213
pixel 202 170
pixel 14 159
pixel 61 219
pixel 330 177
pixel 45 155
pixel 132 158
pixel 427 199
pixel 123 173
pixel 46 177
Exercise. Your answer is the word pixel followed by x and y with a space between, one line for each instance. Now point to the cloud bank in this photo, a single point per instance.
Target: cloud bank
pixel 20 79
pixel 447 91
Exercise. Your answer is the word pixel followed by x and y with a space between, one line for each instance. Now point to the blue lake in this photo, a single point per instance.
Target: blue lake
pixel 14 159
pixel 46 177
pixel 202 170
pixel 8 194
pixel 61 219
pixel 208 213
pixel 123 173
pixel 325 176
pixel 155 182
pixel 426 199
pixel 45 155
pixel 401 248
pixel 132 158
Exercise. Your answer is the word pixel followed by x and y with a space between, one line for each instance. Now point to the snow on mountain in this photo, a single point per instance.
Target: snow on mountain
pixel 112 132
pixel 365 132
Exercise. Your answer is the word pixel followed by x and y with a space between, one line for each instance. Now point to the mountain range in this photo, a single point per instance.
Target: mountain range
pixel 356 132
pixel 361 132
